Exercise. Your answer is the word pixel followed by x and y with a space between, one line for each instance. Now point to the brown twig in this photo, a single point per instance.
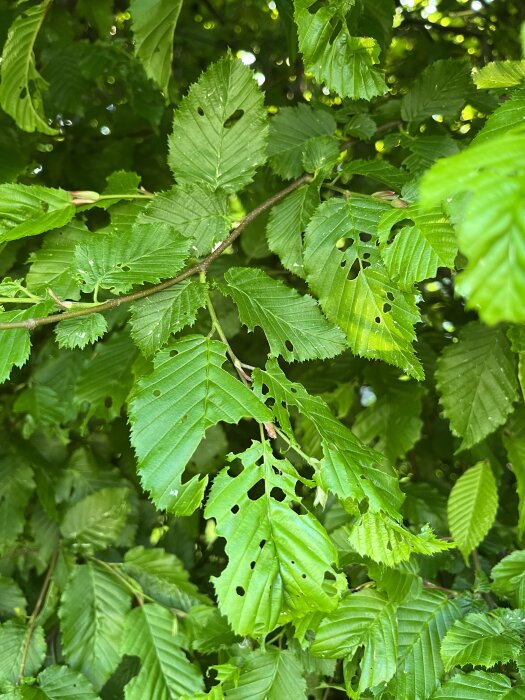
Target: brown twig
pixel 36 612
pixel 31 323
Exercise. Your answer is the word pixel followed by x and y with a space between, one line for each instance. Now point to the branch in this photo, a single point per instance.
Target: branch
pixel 31 323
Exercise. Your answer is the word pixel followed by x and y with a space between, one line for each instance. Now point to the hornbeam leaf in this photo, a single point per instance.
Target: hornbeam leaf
pixel 380 538
pixel 195 211
pixel 21 84
pixel 290 131
pixel 165 672
pixel 442 88
pixel 414 253
pixel 344 62
pixel 476 379
pixel 478 685
pixel 353 286
pixel 28 210
pixel 223 120
pixel 509 578
pixel 92 613
pixel 349 469
pixel 294 325
pixel 365 619
pixel 286 224
pixel 472 507
pixel 13 638
pixel 97 519
pixel 483 639
pixel 514 441
pixel 16 486
pixel 171 409
pixel 380 170
pixel 79 332
pixel 154 319
pixel 60 683
pixel 422 624
pixel 507 116
pixel 271 574
pixel 273 674
pixel 500 74
pixel 153 25
pixel 120 259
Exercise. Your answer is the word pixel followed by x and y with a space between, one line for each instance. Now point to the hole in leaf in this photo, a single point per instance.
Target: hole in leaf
pixel 347 243
pixel 262 543
pixel 303 575
pixel 277 494
pixel 387 308
pixel 366 256
pixel 289 346
pixel 377 319
pixel 125 268
pixel 264 390
pixel 240 591
pixel 235 509
pixel 298 489
pixel 365 264
pixel 354 270
pixel 252 565
pixel 256 491
pixel 23 93
pixel 108 402
pixel 276 471
pixel 156 393
pixel 329 576
pixel 200 111
pixel 233 118
pixel 292 562
pixel 390 296
pixel 365 237
pixel 389 546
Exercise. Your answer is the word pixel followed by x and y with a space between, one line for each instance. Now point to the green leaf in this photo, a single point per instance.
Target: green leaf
pixel 21 84
pixel 52 266
pixel 92 613
pixel 153 25
pixel 483 639
pixel 500 74
pixel 28 210
pixel 392 424
pixel 349 469
pixel 320 154
pixel 13 636
pixel 383 540
pixel 365 619
pixel 291 129
pixel 293 324
pixel 478 685
pixel 12 600
pixel 223 120
pixel 60 683
pixel 353 286
pixel 472 507
pixel 16 486
pixel 476 380
pixel 422 624
pixel 273 674
pixel 415 243
pixel 165 433
pixel 286 224
pixel 97 519
pixel 507 116
pixel 207 629
pixel 514 441
pixel 150 634
pixel 442 88
pixel 343 62
pixel 380 170
pixel 270 573
pixel 162 576
pixel 122 258
pixel 195 211
pixel 491 232
pixel 81 331
pixel 156 318
pixel 509 578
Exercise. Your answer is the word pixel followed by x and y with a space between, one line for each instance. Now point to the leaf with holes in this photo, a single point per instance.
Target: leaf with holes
pixel 415 243
pixel 476 379
pixel 21 84
pixel 271 576
pixel 223 119
pixel 345 63
pixel 349 469
pixel 171 409
pixel 293 324
pixel 353 285
pixel 472 507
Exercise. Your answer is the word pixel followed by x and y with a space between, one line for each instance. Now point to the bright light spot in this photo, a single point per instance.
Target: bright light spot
pixel 37 170
pixel 476 5
pixel 111 108
pixel 379 146
pixel 246 57
pixel 260 78
pixel 449 327
pixel 366 396
pixel 326 91
pixel 272 5
pixel 437 118
pixel 105 130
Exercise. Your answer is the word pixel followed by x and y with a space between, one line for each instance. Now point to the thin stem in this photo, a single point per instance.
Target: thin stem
pixel 16 300
pixel 31 323
pixel 294 446
pixel 138 195
pixel 36 611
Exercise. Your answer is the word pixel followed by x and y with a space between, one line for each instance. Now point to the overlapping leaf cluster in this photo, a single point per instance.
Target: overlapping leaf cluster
pixel 262 421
